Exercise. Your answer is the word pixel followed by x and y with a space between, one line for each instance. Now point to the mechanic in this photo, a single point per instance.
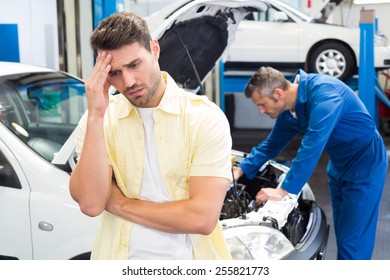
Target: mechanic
pixel 332 118
pixel 168 150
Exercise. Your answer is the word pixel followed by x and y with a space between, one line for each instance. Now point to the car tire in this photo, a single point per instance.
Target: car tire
pixel 333 59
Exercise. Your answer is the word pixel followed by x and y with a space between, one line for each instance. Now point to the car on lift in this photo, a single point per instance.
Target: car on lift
pixel 285 38
pixel 40 109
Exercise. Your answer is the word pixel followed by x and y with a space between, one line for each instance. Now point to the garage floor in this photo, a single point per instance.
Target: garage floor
pixel 245 139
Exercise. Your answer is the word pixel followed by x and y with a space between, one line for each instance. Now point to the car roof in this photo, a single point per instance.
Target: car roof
pixel 9 68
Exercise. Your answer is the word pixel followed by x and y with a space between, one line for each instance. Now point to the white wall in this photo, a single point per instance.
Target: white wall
pixel 351 16
pixel 348 14
pixel 86 26
pixel 37 28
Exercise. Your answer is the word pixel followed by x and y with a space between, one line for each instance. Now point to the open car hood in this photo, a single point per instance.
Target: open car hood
pixel 193 39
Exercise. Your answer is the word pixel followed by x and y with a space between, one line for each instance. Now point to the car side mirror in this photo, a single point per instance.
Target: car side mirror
pixel 280 17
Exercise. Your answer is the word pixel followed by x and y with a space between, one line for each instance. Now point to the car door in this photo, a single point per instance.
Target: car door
pixel 15 229
pixel 270 37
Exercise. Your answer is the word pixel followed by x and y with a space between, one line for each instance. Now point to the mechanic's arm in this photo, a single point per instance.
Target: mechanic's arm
pixel 279 137
pixel 90 182
pixel 198 214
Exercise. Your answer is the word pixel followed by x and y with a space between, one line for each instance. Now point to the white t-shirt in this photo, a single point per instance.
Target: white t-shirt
pixel 147 243
pixel 296 80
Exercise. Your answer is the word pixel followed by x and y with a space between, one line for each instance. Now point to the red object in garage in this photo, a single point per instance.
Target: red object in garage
pixel 384 110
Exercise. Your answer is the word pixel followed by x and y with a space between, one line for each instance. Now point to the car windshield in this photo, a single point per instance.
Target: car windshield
pixel 42 109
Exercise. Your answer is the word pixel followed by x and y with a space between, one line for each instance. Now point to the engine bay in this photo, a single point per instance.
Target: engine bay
pixel 291 216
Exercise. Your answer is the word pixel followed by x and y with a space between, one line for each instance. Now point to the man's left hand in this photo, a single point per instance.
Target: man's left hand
pixel 270 194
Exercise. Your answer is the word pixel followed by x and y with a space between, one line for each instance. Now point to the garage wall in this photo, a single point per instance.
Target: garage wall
pixel 147 7
pixel 36 22
pixel 351 16
pixel 9 42
pixel 348 14
pixel 246 115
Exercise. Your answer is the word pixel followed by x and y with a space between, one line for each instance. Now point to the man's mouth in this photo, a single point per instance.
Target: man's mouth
pixel 134 92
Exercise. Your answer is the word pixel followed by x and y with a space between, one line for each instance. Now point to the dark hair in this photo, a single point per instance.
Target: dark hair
pixel 118 30
pixel 265 81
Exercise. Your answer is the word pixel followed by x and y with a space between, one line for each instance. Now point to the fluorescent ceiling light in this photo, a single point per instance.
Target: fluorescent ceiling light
pixel 363 2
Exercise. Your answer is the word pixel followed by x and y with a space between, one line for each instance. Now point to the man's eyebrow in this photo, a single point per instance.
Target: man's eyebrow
pixel 132 62
pixel 125 65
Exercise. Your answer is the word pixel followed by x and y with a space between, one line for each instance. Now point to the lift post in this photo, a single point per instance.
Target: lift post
pixel 105 8
pixel 367 75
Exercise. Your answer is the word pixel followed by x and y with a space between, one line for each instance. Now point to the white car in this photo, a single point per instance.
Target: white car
pixel 39 110
pixel 287 39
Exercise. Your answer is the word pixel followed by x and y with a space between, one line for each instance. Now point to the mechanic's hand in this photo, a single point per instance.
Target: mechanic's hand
pixel 97 85
pixel 237 173
pixel 269 194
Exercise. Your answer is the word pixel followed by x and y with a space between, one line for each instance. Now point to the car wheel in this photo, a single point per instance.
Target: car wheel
pixel 332 59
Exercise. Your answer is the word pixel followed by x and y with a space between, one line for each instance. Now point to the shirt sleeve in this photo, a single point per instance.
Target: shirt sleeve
pixel 212 156
pixel 279 137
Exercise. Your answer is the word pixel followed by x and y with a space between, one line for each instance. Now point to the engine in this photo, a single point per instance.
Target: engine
pixel 290 217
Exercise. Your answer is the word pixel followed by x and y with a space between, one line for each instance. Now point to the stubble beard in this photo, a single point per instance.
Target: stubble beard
pixel 148 93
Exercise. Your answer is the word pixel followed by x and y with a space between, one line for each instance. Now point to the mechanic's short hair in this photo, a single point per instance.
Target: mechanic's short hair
pixel 265 81
pixel 118 30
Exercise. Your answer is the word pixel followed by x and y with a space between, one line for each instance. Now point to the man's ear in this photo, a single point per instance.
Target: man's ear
pixel 155 48
pixel 278 94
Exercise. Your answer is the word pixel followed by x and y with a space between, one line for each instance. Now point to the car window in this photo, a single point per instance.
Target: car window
pixel 270 15
pixel 42 109
pixel 8 177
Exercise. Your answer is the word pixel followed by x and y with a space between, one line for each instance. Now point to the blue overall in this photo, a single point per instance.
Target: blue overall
pixel 332 118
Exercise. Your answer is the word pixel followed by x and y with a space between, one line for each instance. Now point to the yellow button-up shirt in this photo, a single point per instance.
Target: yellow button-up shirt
pixel 192 137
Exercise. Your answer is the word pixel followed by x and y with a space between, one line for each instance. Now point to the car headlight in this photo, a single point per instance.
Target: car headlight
pixel 253 242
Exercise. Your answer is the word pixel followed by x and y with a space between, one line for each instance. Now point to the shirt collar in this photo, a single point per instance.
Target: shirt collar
pixel 303 79
pixel 169 100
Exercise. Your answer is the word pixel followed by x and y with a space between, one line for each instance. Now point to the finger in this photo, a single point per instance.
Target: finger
pixel 103 60
pixel 98 78
pixel 259 201
pixel 106 86
pixel 103 65
pixel 259 198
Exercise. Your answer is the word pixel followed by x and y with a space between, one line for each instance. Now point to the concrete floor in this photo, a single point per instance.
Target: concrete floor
pixel 245 139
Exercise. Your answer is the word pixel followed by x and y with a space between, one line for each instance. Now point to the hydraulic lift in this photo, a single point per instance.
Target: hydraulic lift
pixel 367 84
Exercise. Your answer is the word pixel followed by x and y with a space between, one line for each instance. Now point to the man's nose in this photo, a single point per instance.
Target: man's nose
pixel 129 79
pixel 261 110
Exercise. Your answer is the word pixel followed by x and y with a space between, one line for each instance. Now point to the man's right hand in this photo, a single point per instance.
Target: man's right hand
pixel 97 85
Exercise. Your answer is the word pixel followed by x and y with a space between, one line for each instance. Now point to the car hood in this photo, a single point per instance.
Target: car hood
pixel 194 38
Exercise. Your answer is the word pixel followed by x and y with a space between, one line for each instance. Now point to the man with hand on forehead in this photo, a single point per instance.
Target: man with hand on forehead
pixel 154 160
